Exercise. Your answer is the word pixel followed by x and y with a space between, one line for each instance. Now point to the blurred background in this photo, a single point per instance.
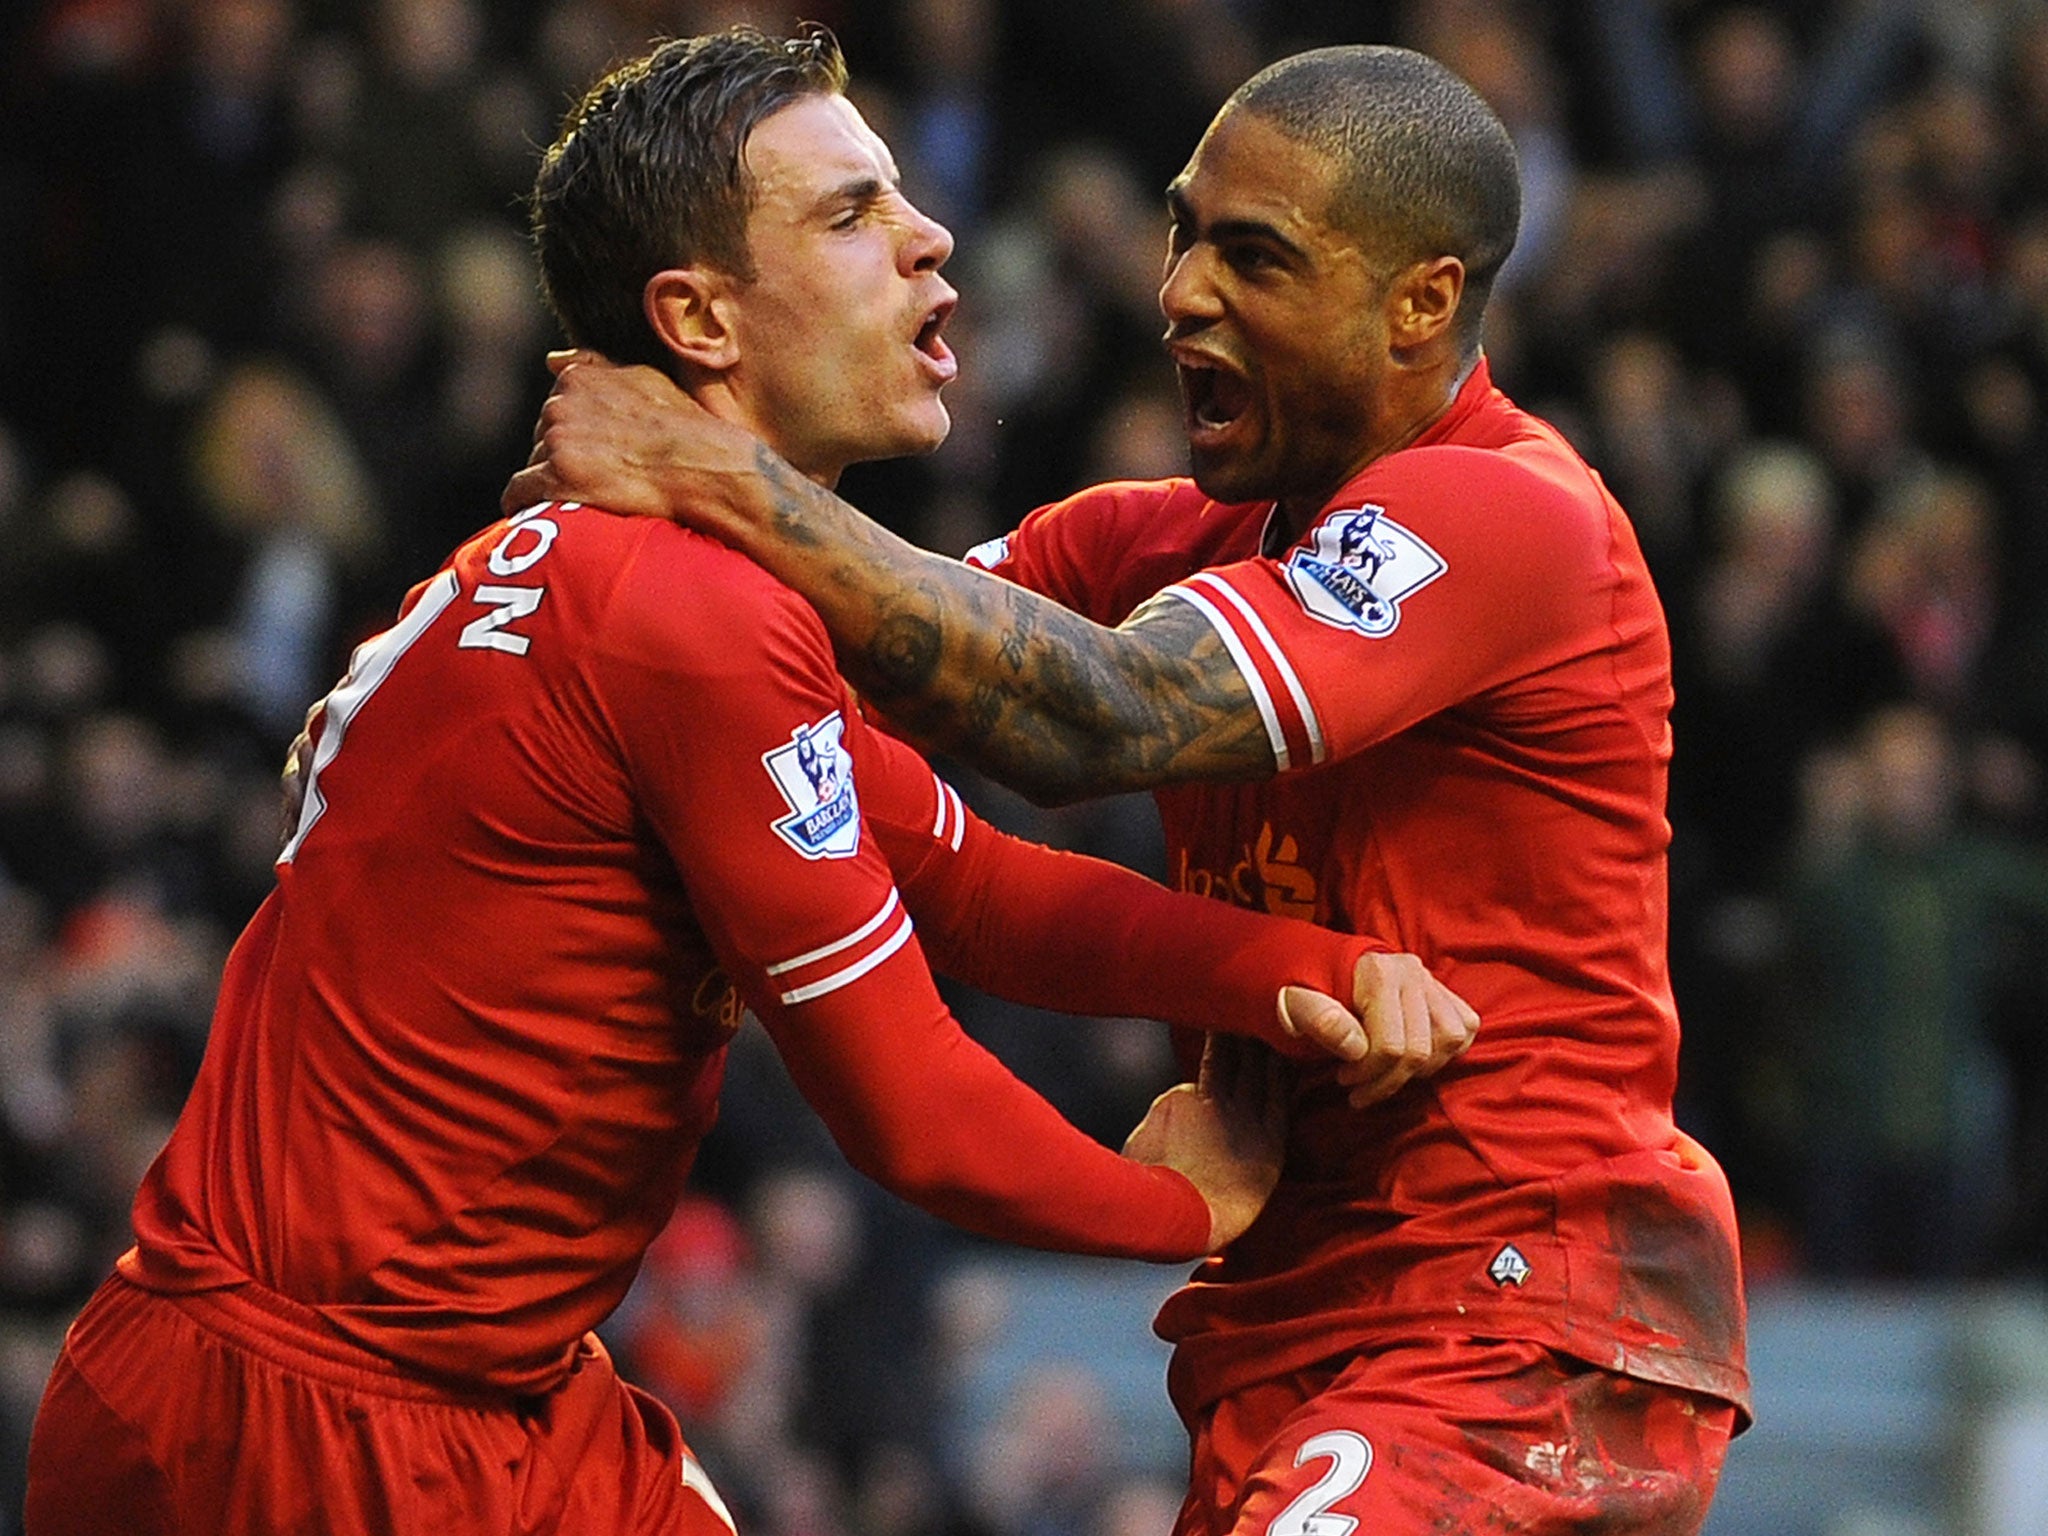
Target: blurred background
pixel 270 344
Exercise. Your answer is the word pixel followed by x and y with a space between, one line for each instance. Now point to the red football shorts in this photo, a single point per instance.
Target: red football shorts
pixel 238 1412
pixel 1469 1435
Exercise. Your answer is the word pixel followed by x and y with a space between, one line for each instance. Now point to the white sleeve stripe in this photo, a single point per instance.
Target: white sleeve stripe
pixel 1314 727
pixel 828 950
pixel 1245 667
pixel 853 972
pixel 959 815
pixel 950 809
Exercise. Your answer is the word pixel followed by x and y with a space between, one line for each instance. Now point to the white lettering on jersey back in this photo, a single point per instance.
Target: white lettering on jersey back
pixel 508 559
pixel 699 1482
pixel 1358 568
pixel 490 631
pixel 527 539
pixel 814 773
pixel 367 668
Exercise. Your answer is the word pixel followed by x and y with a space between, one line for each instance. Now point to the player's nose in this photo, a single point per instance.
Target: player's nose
pixel 1186 293
pixel 928 244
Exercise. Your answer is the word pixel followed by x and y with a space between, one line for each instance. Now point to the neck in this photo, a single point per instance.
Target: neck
pixel 1410 412
pixel 721 400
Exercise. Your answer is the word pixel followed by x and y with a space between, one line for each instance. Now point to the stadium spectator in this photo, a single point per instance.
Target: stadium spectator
pixel 1907 925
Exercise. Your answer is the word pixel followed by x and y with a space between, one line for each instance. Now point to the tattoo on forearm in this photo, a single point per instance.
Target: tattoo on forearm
pixel 904 652
pixel 789 493
pixel 1055 705
pixel 1037 696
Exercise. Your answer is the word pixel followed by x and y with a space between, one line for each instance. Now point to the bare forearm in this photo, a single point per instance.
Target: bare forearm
pixel 1036 696
pixel 1056 706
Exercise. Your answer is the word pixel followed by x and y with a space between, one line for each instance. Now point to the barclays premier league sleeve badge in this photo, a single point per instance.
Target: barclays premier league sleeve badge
pixel 990 553
pixel 1357 569
pixel 815 774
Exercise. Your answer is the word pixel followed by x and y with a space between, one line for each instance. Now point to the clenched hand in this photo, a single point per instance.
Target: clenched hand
pixel 1226 1131
pixel 1403 1024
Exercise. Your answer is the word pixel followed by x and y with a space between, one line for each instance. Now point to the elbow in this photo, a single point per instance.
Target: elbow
pixel 955 1183
pixel 906 1166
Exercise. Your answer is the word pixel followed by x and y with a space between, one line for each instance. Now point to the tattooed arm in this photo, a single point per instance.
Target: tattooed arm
pixel 1046 701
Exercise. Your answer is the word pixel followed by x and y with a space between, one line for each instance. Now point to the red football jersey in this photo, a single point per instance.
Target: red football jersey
pixel 465 1052
pixel 1465 675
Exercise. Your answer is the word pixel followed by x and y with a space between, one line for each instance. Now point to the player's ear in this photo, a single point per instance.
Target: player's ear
pixel 689 310
pixel 1424 302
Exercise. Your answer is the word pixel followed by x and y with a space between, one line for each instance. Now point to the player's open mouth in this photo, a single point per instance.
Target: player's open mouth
pixel 1213 398
pixel 941 362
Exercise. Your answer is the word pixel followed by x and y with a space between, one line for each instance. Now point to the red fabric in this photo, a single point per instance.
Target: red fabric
pixel 463 1055
pixel 1478 751
pixel 1453 1433
pixel 234 1411
pixel 1057 930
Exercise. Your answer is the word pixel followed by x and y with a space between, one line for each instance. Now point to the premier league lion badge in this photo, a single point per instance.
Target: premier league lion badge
pixel 1357 569
pixel 815 774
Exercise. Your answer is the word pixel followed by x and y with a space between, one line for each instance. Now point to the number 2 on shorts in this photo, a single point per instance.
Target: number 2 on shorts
pixel 1309 1515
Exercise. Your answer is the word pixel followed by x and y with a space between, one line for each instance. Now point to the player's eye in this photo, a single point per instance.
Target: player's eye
pixel 1250 259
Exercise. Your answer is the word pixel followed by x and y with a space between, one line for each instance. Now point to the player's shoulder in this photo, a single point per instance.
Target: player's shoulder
pixel 1130 514
pixel 1141 501
pixel 591 537
pixel 642 581
pixel 646 559
pixel 1528 484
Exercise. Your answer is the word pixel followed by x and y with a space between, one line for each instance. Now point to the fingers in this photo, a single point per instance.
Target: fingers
pixel 1245 1079
pixel 1322 1021
pixel 1226 1131
pixel 1407 1043
pixel 1452 1020
pixel 1389 998
pixel 528 488
pixel 1415 1025
pixel 535 483
pixel 1216 1076
pixel 298 767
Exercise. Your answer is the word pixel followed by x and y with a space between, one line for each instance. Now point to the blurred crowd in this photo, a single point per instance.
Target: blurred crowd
pixel 270 344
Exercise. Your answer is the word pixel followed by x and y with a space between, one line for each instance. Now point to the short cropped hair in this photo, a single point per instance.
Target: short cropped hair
pixel 1426 167
pixel 649 172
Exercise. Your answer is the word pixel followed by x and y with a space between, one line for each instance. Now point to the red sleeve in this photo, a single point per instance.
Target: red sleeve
pixel 1038 553
pixel 1082 935
pixel 1450 572
pixel 744 762
pixel 1104 550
